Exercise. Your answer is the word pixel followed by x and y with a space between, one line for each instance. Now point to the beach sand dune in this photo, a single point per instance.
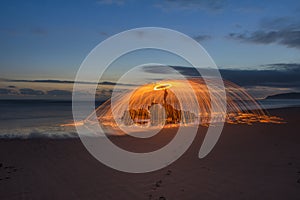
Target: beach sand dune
pixel 260 161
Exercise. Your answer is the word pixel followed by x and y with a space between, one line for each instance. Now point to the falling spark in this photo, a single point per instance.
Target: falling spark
pixel 181 102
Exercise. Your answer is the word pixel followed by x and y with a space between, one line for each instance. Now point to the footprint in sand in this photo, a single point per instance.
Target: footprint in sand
pixel 158 183
pixel 169 172
pixel 6 171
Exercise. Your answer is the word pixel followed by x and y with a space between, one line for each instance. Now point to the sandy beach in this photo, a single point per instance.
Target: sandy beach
pixel 259 161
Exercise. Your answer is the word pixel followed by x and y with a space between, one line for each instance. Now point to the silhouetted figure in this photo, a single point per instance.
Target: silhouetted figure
pixel 165 96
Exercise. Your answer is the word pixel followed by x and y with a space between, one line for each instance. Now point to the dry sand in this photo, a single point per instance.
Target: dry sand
pixel 261 161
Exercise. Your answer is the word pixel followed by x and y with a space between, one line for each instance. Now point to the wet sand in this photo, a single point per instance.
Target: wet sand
pixel 261 161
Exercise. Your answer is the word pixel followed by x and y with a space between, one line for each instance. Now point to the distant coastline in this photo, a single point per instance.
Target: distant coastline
pixel 291 95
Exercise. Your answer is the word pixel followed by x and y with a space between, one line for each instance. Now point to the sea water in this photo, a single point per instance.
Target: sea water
pixel 43 118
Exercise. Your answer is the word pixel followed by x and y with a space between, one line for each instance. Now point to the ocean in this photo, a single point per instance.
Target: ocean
pixel 43 118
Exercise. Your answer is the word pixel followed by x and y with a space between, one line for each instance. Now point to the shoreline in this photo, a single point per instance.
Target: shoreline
pixel 72 134
pixel 259 161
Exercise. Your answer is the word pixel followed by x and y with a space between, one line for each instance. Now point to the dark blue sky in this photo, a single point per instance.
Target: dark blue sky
pixel 49 39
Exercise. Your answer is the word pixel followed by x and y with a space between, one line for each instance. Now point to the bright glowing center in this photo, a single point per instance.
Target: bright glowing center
pixel 162 86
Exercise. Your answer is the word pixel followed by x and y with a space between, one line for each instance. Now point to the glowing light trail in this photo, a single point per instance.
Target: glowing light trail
pixel 170 103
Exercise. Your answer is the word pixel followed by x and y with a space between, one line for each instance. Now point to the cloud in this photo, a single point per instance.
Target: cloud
pixel 294 67
pixel 158 69
pixel 11 86
pixel 29 91
pixel 212 5
pixel 17 32
pixel 59 93
pixel 33 92
pixel 46 81
pixel 283 31
pixel 201 38
pixel 103 33
pixel 289 38
pixel 64 82
pixel 281 76
pixel 107 83
pixel 186 71
pixel 115 83
pixel 111 2
pixel 271 75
